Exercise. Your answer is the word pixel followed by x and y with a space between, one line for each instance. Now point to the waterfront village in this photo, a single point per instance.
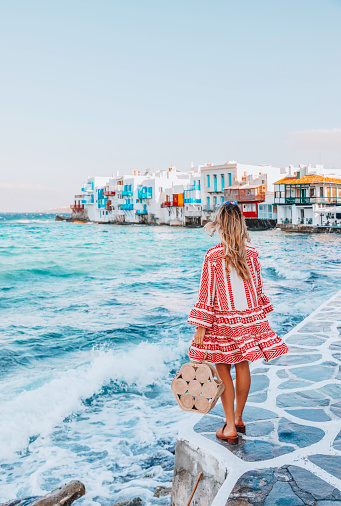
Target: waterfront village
pixel 302 198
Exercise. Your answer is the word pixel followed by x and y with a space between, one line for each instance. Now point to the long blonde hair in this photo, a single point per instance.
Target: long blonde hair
pixel 230 224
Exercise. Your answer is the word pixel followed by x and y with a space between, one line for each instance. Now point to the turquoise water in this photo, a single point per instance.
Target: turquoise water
pixel 93 327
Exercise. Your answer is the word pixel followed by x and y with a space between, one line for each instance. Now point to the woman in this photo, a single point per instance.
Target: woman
pixel 230 315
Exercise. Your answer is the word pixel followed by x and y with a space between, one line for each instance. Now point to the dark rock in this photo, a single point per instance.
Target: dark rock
pixel 317 373
pixel 309 482
pixel 300 435
pixel 251 413
pixel 253 451
pixel 334 391
pixel 337 442
pixel 302 399
pixel 258 397
pixel 21 502
pixel 63 496
pixel 258 383
pixel 313 415
pixel 335 408
pixel 293 383
pixel 252 487
pixel 330 463
pixel 162 491
pixel 259 429
pixel 282 495
pixel 282 373
pixel 288 359
pixel 208 424
pixel 307 340
pixel 137 501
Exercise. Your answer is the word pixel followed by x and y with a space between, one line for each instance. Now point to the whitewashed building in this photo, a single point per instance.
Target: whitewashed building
pixel 308 196
pixel 252 186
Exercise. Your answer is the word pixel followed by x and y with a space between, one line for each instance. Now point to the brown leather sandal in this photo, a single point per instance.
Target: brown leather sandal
pixel 241 428
pixel 233 440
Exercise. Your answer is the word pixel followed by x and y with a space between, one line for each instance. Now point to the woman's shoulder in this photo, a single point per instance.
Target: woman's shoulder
pixel 251 251
pixel 215 252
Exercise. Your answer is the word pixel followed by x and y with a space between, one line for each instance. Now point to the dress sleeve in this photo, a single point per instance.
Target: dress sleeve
pixel 202 313
pixel 263 300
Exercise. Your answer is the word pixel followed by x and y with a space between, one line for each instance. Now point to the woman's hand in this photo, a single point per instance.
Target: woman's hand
pixel 199 336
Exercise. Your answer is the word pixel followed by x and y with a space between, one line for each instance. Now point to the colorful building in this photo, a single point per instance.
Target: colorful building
pixel 304 199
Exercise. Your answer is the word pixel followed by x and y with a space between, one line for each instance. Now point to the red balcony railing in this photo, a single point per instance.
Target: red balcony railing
pixel 77 207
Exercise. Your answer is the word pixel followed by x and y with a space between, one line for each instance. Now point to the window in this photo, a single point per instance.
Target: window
pixel 222 182
pixel 215 182
pixel 215 201
pixel 230 179
pixel 208 202
pixel 208 181
pixel 321 191
pixel 222 199
pixel 312 192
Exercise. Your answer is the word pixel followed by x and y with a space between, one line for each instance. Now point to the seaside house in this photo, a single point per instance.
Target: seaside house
pixel 308 197
pixel 252 186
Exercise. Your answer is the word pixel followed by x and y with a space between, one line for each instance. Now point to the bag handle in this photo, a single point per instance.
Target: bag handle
pixel 213 369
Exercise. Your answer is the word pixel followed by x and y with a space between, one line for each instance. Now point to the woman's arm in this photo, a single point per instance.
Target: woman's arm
pixel 263 300
pixel 202 313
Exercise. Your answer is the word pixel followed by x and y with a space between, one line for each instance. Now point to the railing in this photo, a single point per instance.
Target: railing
pixel 87 189
pixel 77 207
pixel 140 211
pixel 251 198
pixel 192 201
pixel 310 200
pixel 109 193
pixel 144 194
pixel 127 207
pixel 127 193
pixel 193 187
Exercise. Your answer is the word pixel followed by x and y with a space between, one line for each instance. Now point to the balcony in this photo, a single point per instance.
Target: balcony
pixel 77 207
pixel 109 193
pixel 308 200
pixel 193 187
pixel 140 211
pixel 87 189
pixel 144 193
pixel 192 201
pixel 127 207
pixel 127 193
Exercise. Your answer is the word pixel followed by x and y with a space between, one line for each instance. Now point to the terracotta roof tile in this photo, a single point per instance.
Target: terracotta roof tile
pixel 312 178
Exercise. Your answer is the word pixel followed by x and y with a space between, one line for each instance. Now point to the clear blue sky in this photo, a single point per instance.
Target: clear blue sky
pixel 89 87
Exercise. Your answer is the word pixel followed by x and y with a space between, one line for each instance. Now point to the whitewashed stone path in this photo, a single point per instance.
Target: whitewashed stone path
pixel 291 453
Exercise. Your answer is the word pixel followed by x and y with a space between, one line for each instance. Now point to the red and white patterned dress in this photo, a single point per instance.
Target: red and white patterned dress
pixel 233 311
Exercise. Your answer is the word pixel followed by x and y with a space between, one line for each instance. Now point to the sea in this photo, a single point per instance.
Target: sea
pixel 93 328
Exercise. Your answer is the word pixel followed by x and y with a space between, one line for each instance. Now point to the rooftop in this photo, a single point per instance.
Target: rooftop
pixel 312 178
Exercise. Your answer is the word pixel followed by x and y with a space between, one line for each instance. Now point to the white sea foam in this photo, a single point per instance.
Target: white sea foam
pixel 36 412
pixel 289 273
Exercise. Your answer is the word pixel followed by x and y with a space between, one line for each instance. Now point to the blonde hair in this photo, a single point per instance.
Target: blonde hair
pixel 230 224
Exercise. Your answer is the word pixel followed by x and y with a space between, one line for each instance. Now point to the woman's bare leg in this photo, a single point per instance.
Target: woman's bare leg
pixel 243 382
pixel 227 398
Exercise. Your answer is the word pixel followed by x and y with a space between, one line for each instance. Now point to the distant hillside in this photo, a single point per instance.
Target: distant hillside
pixel 56 210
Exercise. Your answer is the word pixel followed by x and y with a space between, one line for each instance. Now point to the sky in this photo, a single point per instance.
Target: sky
pixel 89 87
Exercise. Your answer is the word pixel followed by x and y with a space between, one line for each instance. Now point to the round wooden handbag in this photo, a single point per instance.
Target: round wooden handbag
pixel 197 386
